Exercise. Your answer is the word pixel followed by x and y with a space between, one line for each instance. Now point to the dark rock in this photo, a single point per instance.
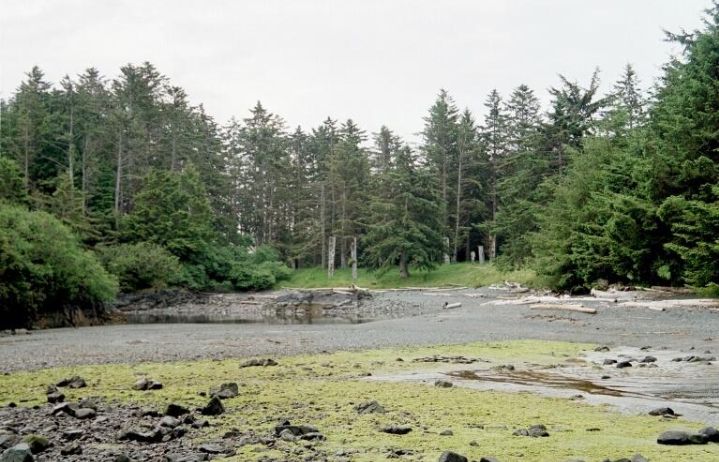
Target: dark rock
pixel 537 431
pixel 449 456
pixel 214 407
pixel 623 364
pixel 608 362
pixel 18 453
pixel 175 410
pixel 295 430
pixel 56 397
pixel 200 424
pixel 210 448
pixel 73 382
pixel 488 459
pixel 122 458
pixel 72 434
pixel 147 384
pixel 602 348
pixel 662 411
pixel 37 443
pixel 153 436
pixel 446 432
pixel 606 377
pixel 66 408
pixel 711 433
pixel 259 362
pixel 443 384
pixel 71 450
pixel 396 429
pixel 648 359
pixel 370 407
pixel 226 391
pixel 680 438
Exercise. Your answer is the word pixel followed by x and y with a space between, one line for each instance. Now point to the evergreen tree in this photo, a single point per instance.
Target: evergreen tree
pixel 404 227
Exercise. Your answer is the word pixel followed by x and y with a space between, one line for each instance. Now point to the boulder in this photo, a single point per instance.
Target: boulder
pixel 140 436
pixel 176 410
pixel 370 407
pixel 443 384
pixel 396 429
pixel 73 382
pixel 85 413
pixel 711 434
pixel 259 362
pixel 36 443
pixel 681 438
pixel 214 407
pixel 18 453
pixel 146 384
pixel 169 422
pixel 71 450
pixel 226 391
pixel 662 411
pixel 449 456
pixel 537 431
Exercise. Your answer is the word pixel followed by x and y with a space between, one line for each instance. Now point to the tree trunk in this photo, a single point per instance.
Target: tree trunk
pixel 26 166
pixel 331 257
pixel 354 259
pixel 403 268
pixel 70 154
pixel 457 207
pixel 323 231
pixel 343 231
pixel 83 172
pixel 118 178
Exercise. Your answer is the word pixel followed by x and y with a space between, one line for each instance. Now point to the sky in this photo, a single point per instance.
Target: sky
pixel 379 62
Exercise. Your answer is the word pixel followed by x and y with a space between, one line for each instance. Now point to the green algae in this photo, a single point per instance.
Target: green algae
pixel 323 389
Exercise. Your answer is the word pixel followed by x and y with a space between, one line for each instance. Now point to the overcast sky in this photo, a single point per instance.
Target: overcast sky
pixel 376 61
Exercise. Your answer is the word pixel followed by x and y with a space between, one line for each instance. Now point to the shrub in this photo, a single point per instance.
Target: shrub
pixel 44 270
pixel 140 266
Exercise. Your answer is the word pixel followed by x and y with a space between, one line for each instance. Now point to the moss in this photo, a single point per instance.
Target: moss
pixel 322 390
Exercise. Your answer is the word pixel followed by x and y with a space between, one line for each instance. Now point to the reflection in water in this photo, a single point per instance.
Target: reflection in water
pixel 304 314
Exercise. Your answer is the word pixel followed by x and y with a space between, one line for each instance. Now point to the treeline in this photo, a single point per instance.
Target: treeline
pixel 619 187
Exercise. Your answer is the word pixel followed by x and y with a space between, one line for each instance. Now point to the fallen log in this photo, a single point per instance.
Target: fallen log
pixel 575 308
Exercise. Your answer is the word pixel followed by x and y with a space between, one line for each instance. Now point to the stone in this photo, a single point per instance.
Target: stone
pixel 153 436
pixel 71 450
pixel 488 459
pixel 18 453
pixel 175 457
pixel 396 429
pixel 214 407
pixel 85 413
pixel 72 434
pixel 537 431
pixel 295 430
pixel 711 433
pixel 520 432
pixel 259 362
pixel 638 458
pixel 66 408
pixel 648 359
pixel 8 440
pixel 446 432
pixel 662 411
pixel 449 456
pixel 602 349
pixel 680 438
pixel 169 421
pixel 175 410
pixel 73 382
pixel 210 448
pixel 609 362
pixel 123 458
pixel 370 407
pixel 443 384
pixel 55 397
pixel 623 364
pixel 37 443
pixel 226 391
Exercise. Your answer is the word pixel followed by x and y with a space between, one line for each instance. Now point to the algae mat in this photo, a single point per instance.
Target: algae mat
pixel 322 390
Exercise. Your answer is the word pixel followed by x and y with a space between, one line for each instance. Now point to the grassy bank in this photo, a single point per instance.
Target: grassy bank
pixel 322 390
pixel 461 274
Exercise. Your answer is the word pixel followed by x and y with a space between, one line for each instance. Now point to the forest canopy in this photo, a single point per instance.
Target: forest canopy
pixel 138 188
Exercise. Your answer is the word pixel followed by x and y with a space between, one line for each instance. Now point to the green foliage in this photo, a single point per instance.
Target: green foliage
pixel 140 266
pixel 43 269
pixel 12 188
